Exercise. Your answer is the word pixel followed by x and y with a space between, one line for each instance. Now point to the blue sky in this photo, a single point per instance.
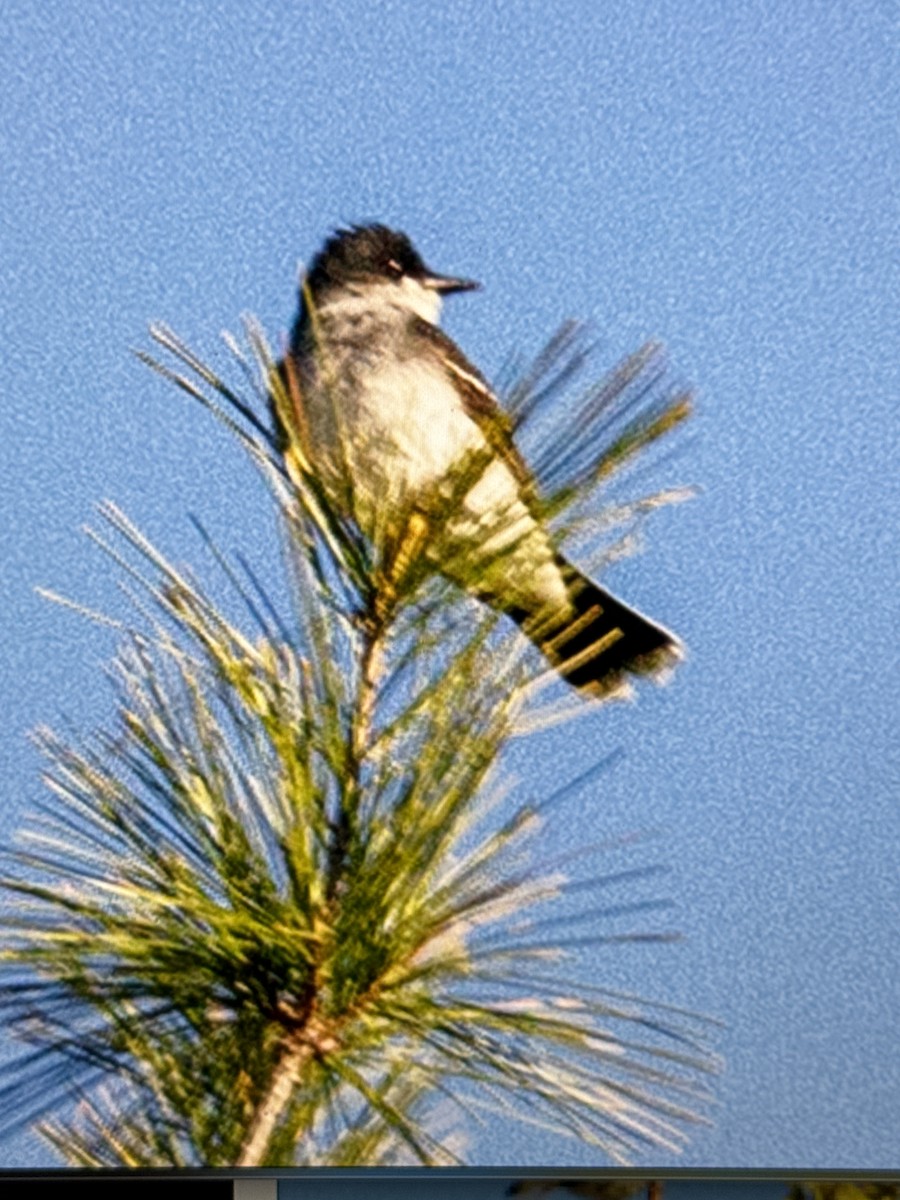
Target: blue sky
pixel 722 177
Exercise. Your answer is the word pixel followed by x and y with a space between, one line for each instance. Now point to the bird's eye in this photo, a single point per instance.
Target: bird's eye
pixel 394 269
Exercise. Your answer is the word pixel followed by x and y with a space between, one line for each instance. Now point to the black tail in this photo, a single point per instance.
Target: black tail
pixel 595 648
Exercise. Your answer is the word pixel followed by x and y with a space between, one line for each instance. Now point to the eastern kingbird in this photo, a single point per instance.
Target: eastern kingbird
pixel 395 416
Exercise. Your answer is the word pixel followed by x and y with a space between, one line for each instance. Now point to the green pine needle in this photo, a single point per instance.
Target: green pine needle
pixel 271 916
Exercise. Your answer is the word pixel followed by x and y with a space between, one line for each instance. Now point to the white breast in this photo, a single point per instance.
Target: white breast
pixel 400 433
pixel 404 432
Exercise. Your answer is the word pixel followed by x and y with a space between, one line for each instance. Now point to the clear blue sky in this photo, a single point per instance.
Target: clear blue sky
pixel 721 176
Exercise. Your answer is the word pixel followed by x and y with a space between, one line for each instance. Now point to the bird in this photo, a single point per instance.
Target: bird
pixel 405 433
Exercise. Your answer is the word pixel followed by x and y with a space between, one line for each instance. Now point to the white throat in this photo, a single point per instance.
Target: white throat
pixel 407 297
pixel 425 302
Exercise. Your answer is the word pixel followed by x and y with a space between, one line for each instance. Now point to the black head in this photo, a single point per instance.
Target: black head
pixel 375 254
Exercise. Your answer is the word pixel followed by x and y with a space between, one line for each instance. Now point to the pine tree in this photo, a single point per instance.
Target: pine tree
pixel 283 912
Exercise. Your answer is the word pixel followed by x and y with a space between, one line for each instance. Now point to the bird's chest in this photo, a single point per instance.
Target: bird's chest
pixel 399 428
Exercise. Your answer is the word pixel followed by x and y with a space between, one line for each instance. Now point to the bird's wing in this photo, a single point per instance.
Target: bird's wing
pixel 480 404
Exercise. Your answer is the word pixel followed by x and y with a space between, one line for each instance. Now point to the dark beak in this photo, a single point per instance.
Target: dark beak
pixel 445 284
